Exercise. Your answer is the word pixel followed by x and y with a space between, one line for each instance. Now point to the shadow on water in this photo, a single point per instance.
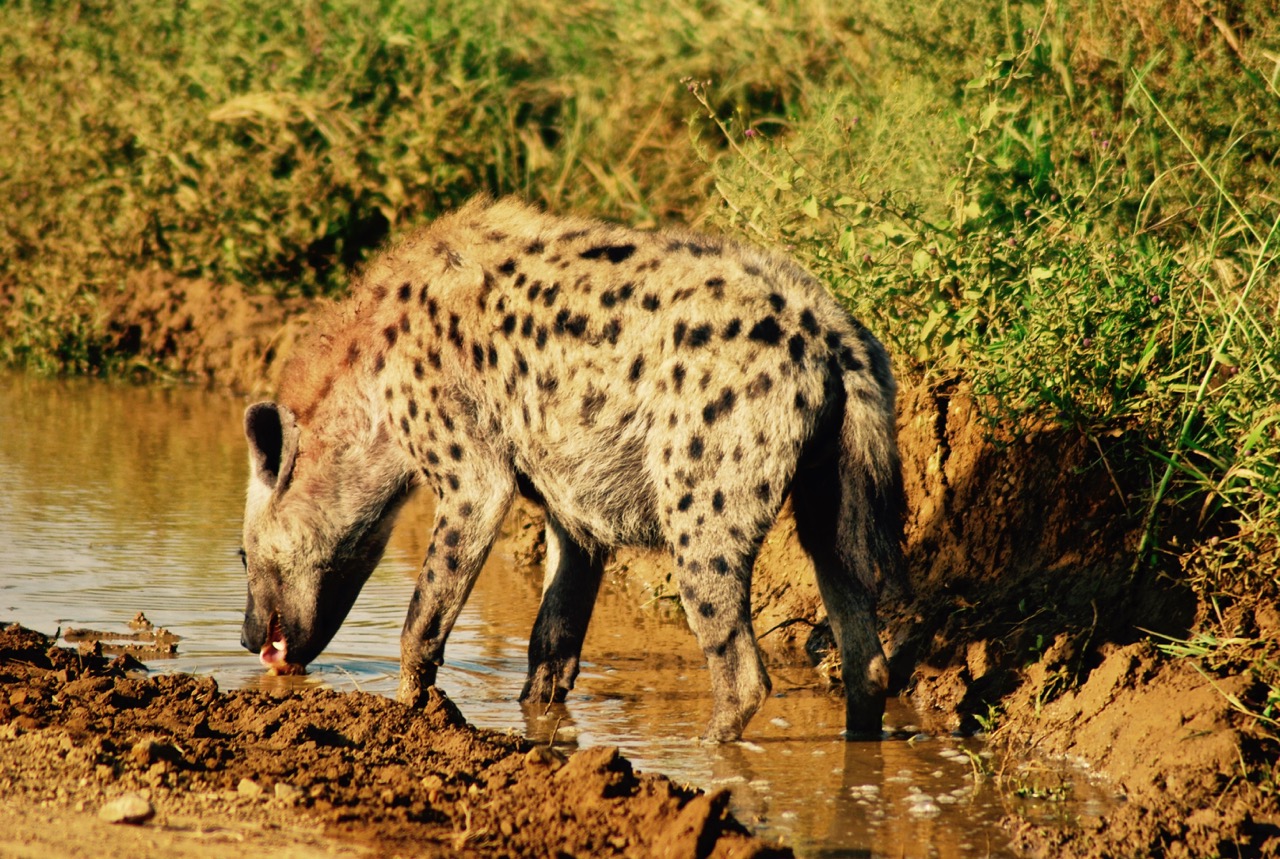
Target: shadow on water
pixel 122 499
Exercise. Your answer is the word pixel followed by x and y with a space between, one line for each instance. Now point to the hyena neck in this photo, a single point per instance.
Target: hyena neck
pixel 342 411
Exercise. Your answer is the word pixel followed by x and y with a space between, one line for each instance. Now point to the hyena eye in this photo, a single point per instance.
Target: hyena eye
pixel 244 559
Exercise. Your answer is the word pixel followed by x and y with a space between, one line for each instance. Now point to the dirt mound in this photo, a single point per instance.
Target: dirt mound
pixel 220 335
pixel 77 732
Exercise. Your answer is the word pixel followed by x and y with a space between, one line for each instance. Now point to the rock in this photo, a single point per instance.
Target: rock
pixel 248 787
pixel 131 808
pixel 287 792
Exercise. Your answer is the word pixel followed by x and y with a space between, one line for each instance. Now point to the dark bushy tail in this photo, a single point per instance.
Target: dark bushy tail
pixel 872 501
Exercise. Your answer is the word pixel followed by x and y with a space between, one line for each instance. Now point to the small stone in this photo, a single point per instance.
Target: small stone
pixel 249 787
pixel 131 808
pixel 287 792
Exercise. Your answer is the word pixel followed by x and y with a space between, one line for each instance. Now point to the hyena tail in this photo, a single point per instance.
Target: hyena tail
pixel 872 506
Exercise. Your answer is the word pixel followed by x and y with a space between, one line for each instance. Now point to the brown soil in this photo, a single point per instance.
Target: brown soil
pixel 1028 613
pixel 225 774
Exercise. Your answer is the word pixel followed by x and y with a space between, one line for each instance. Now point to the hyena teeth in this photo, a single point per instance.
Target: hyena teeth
pixel 647 388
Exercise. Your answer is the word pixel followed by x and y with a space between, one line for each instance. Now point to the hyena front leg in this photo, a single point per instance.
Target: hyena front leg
pixel 569 592
pixel 473 497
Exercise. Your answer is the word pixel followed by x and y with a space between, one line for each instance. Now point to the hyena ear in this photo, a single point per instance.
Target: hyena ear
pixel 273 443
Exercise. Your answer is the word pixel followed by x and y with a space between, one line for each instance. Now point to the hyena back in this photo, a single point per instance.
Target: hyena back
pixel 662 389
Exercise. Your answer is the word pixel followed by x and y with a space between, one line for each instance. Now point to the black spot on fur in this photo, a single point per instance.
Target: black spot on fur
pixel 451 562
pixel 380 362
pixel 759 386
pixel 777 302
pixel 526 326
pixel 613 253
pixel 612 330
pixel 801 403
pixel 577 326
pixel 549 296
pixel 535 289
pixel 696 447
pixel 732 329
pixel 477 356
pixel 433 356
pixel 455 452
pixel 405 292
pixel 625 293
pixel 720 565
pixel 353 354
pixel 637 367
pixel 404 323
pixel 808 322
pixel 764 491
pixel 685 501
pixel 684 540
pixel 492 354
pixel 677 376
pixel 432 458
pixel 433 309
pixel 699 336
pixel 541 339
pixel 404 425
pixel 453 481
pixel 419 371
pixel 677 336
pixel 706 609
pixel 717 501
pixel 452 537
pixel 413 408
pixel 521 364
pixel 535 247
pixel 390 333
pixel 608 298
pixel 795 345
pixel 766 331
pixel 650 302
pixel 508 324
pixel 720 406
pixel 508 267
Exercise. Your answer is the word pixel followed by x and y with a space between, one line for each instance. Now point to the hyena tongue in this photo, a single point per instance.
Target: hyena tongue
pixel 275 652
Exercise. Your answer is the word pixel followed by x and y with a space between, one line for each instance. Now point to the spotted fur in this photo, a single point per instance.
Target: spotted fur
pixel 661 389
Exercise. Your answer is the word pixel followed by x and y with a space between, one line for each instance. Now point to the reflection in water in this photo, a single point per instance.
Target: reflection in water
pixel 121 499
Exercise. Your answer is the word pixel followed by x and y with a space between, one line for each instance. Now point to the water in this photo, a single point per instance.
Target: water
pixel 118 499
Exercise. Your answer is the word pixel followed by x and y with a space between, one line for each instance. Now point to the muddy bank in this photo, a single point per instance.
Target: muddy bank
pixel 1029 616
pixel 354 773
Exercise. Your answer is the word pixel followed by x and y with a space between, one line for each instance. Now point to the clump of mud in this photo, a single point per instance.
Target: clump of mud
pixel 78 732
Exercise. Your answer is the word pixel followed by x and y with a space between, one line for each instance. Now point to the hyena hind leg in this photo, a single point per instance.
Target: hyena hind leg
pixel 569 593
pixel 851 608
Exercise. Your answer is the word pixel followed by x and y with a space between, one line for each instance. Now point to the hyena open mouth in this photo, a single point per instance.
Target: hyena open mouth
pixel 275 651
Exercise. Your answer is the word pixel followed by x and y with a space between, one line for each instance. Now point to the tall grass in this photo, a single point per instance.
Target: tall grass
pixel 274 145
pixel 1085 244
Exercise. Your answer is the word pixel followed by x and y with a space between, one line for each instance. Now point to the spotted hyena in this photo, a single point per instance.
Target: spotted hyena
pixel 662 389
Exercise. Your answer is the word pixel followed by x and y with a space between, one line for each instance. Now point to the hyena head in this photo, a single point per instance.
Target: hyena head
pixel 319 511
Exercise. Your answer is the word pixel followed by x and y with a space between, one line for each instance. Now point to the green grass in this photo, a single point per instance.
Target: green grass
pixel 1072 207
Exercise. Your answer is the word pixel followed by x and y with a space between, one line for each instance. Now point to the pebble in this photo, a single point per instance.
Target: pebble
pixel 248 787
pixel 287 792
pixel 131 808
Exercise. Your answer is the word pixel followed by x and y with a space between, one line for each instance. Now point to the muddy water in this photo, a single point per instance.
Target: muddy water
pixel 115 500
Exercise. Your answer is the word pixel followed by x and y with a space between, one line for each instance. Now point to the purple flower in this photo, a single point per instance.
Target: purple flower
pixel 750 132
pixel 1086 342
pixel 1154 299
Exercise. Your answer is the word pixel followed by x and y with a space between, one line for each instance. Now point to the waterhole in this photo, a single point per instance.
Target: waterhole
pixel 122 499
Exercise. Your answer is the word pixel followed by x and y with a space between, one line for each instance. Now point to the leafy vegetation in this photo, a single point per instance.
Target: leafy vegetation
pixel 1070 206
